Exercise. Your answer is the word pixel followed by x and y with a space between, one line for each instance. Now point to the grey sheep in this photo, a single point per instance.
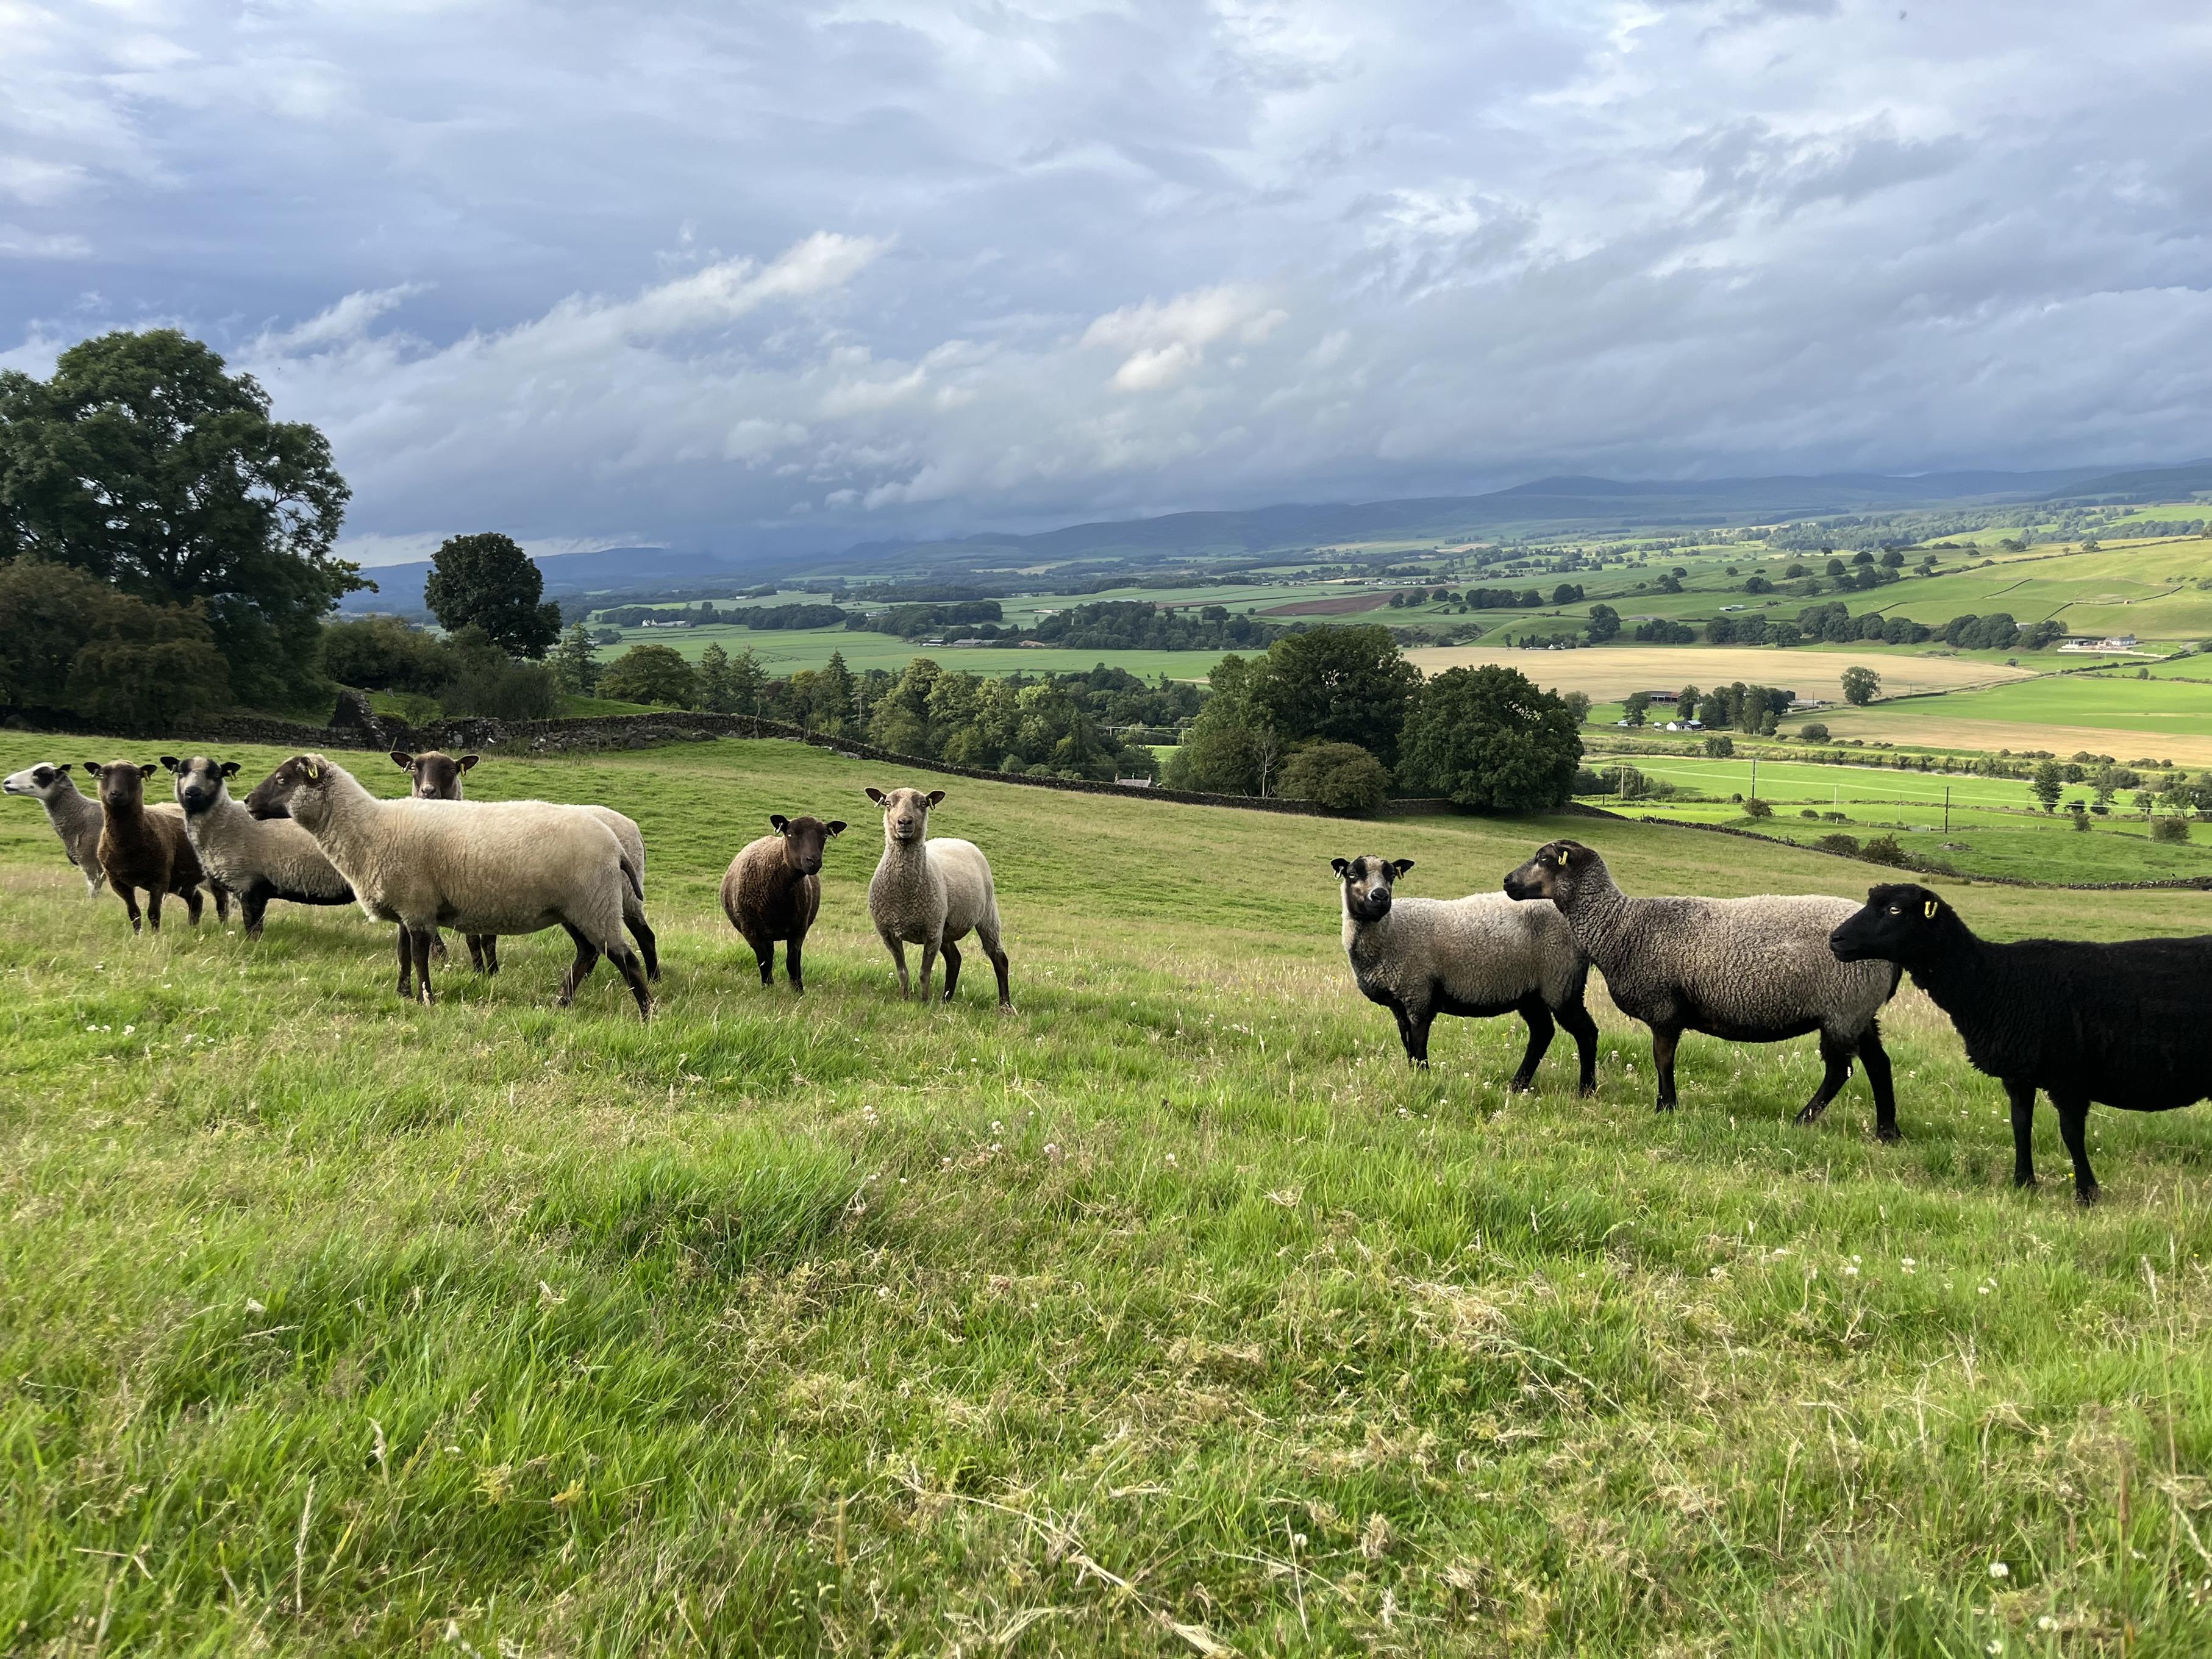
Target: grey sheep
pixel 1476 957
pixel 74 817
pixel 258 861
pixel 1748 969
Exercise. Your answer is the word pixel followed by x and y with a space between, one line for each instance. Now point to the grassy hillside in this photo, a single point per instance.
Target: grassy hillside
pixel 1172 1314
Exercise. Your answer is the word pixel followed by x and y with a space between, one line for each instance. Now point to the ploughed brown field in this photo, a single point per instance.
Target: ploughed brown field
pixel 1343 605
pixel 1614 670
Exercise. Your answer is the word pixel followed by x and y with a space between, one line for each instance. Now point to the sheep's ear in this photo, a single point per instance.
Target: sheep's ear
pixel 467 761
pixel 875 795
pixel 168 763
pixel 1340 864
pixel 403 760
pixel 91 767
pixel 836 826
pixel 777 822
pixel 935 796
pixel 229 769
pixel 147 770
pixel 1565 857
pixel 1401 865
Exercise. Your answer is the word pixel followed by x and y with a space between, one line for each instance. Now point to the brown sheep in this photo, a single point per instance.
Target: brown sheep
pixel 773 890
pixel 139 848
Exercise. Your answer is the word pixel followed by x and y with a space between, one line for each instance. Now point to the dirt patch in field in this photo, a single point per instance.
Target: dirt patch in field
pixel 1342 604
pixel 1610 671
pixel 1948 732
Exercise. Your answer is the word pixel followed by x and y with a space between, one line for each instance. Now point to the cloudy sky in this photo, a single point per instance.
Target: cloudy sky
pixel 711 274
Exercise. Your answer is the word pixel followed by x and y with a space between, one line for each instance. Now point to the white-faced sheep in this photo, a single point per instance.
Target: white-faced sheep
pixel 494 867
pixel 258 861
pixel 773 890
pixel 142 848
pixel 932 893
pixel 74 818
pixel 1477 957
pixel 1748 969
pixel 2127 1023
pixel 437 775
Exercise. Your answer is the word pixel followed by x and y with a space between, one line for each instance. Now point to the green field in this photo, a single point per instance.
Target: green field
pixel 1170 1315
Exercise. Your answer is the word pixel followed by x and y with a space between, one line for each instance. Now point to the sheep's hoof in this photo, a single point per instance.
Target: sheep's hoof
pixel 1005 1008
pixel 1664 1106
pixel 2023 1178
pixel 2085 1196
pixel 1811 1114
pixel 1521 1086
pixel 1584 1090
pixel 1888 1134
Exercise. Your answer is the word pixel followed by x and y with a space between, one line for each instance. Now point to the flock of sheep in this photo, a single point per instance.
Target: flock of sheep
pixel 310 833
pixel 2128 1025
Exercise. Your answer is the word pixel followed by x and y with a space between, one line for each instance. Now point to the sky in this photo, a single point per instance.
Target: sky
pixel 717 276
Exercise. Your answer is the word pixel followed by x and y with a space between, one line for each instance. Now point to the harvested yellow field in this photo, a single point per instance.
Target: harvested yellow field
pixel 1610 671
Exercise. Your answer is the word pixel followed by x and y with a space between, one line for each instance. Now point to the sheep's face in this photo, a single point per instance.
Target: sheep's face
pixel 291 790
pixel 1902 923
pixel 437 775
pixel 122 786
pixel 1552 872
pixel 906 812
pixel 201 783
pixel 1367 883
pixel 804 840
pixel 42 782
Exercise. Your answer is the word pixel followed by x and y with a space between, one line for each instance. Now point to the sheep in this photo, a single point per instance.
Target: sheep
pixel 495 867
pixel 1477 956
pixel 74 818
pixel 931 893
pixel 255 860
pixel 437 776
pixel 2128 1023
pixel 141 848
pixel 773 890
pixel 1748 969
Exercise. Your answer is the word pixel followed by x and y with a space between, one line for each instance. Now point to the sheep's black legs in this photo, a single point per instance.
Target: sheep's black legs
pixel 990 942
pixel 491 955
pixel 1537 1018
pixel 1875 1059
pixel 221 901
pixel 421 944
pixel 633 973
pixel 791 968
pixel 1663 1039
pixel 406 986
pixel 1413 1032
pixel 153 911
pixel 648 945
pixel 952 968
pixel 130 906
pixel 250 907
pixel 587 958
pixel 2022 1095
pixel 192 902
pixel 764 958
pixel 1583 1030
pixel 2074 1124
pixel 1838 1060
pixel 928 967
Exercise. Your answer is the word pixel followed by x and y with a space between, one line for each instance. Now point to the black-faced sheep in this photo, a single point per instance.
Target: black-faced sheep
pixel 1476 957
pixel 256 861
pixel 1748 969
pixel 773 890
pixel 142 848
pixel 495 867
pixel 2128 1023
pixel 932 893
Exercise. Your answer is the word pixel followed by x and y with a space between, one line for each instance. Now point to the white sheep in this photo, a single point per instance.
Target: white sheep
pixel 490 867
pixel 75 818
pixel 258 860
pixel 1477 956
pixel 932 893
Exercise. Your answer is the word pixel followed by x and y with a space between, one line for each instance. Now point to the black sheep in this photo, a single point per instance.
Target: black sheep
pixel 2127 1024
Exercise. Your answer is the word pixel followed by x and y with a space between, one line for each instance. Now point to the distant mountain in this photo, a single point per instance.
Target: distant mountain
pixel 1562 506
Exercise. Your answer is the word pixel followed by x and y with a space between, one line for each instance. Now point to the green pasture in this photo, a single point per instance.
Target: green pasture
pixel 1170 1315
pixel 2160 707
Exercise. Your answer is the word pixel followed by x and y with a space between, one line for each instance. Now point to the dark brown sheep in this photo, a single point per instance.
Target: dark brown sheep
pixel 773 890
pixel 138 849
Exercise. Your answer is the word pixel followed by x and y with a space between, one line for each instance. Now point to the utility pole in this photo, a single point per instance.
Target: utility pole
pixel 1947 809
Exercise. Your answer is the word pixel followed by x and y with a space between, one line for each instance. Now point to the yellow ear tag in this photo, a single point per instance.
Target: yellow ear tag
pixel 1563 858
pixel 1928 909
pixel 314 773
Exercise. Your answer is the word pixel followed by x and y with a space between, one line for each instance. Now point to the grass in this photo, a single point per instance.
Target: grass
pixel 2112 714
pixel 1171 1313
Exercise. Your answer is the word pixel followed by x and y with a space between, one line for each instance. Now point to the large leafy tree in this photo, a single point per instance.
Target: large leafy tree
pixel 1487 736
pixel 650 673
pixel 1348 684
pixel 144 464
pixel 487 581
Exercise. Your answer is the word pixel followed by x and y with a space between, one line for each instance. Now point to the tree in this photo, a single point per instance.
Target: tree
pixel 1342 684
pixel 1860 685
pixel 576 663
pixel 144 464
pixel 1604 623
pixel 650 673
pixel 383 653
pixel 1634 707
pixel 70 643
pixel 748 679
pixel 1339 774
pixel 1488 737
pixel 1813 732
pixel 2045 783
pixel 831 708
pixel 487 581
pixel 715 680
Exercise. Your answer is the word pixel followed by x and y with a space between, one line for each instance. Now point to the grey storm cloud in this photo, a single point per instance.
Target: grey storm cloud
pixel 598 273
